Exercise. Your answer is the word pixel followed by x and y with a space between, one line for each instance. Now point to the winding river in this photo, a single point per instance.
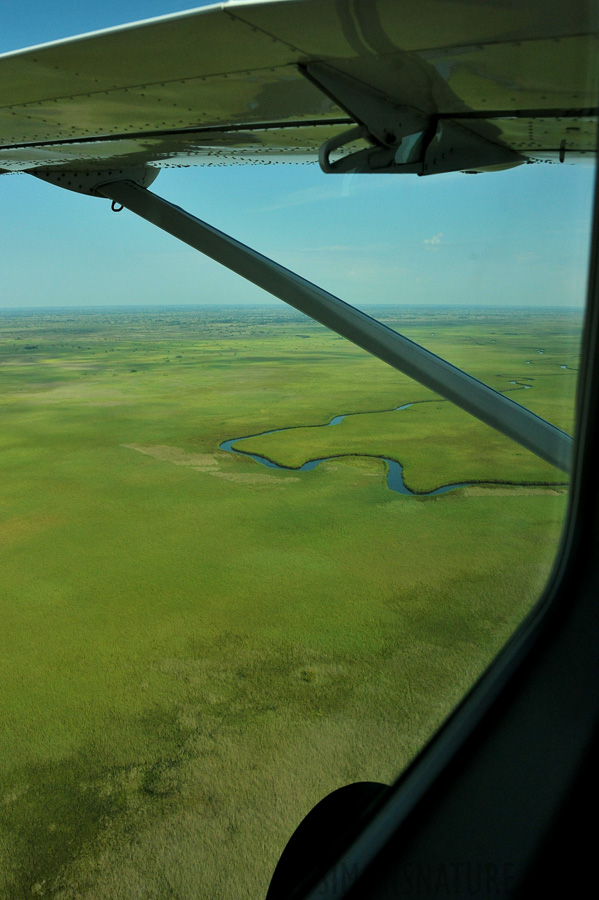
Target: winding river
pixel 395 480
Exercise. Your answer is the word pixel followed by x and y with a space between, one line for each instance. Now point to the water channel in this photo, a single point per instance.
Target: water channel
pixel 395 480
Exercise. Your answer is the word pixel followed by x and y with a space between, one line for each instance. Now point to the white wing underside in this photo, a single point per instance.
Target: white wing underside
pixel 227 83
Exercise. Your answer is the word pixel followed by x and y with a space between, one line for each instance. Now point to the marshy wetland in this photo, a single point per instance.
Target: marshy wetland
pixel 197 647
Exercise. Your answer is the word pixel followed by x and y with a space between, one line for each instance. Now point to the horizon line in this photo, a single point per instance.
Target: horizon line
pixel 121 307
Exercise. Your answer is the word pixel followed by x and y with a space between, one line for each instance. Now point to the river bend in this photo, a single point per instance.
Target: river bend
pixel 395 480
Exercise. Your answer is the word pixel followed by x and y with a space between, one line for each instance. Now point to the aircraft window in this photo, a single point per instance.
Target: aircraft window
pixel 201 643
pixel 244 563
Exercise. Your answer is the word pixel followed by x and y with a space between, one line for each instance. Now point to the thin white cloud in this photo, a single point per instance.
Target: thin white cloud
pixel 336 187
pixel 309 195
pixel 527 257
pixel 433 242
pixel 349 249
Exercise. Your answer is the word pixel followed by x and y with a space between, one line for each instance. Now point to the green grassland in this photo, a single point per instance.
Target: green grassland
pixel 195 649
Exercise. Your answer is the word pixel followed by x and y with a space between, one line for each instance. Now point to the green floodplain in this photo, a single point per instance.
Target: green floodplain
pixel 195 648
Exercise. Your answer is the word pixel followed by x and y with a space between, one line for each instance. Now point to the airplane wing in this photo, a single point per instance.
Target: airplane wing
pixel 394 86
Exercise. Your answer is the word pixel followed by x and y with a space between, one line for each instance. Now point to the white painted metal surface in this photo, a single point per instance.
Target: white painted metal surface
pixel 225 83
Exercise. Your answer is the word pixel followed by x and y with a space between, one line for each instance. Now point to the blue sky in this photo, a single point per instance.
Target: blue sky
pixel 518 237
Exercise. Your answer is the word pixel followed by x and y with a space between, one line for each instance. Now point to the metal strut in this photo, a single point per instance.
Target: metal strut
pixel 481 401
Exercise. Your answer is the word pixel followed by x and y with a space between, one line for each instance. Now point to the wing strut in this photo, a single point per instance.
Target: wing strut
pixel 481 401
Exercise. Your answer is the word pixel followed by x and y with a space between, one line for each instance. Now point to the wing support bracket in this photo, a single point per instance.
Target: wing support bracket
pixel 400 139
pixel 476 398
